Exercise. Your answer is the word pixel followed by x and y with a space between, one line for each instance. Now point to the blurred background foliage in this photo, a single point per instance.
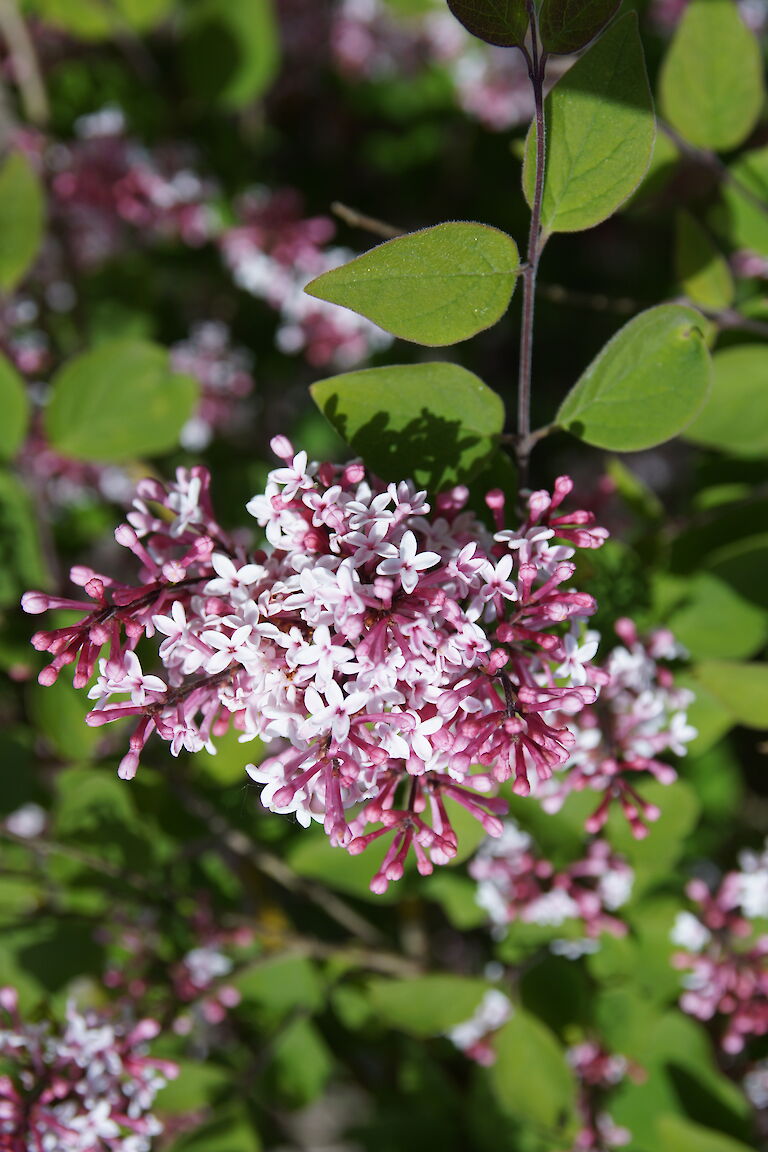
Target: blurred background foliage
pixel 167 165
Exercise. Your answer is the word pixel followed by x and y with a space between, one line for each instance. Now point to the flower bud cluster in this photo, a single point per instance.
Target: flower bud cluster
pixel 87 1088
pixel 724 952
pixel 515 883
pixel 388 648
pixel 639 716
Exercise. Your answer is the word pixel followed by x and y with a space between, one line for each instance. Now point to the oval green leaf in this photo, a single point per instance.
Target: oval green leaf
pixel 14 405
pixel 502 22
pixel 600 130
pixel 646 384
pixel 741 688
pixel 568 25
pixel 711 84
pixel 437 286
pixel 735 417
pixel 435 423
pixel 700 268
pixel 22 218
pixel 118 401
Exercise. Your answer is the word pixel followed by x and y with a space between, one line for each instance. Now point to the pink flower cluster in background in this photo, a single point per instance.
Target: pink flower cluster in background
pixel 724 952
pixel 87 1088
pixel 273 252
pixel 388 649
pixel 638 716
pixel 514 882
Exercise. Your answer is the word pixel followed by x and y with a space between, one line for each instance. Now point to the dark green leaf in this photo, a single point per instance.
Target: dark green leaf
pixel 118 401
pixel 231 50
pixel 600 130
pixel 567 25
pixel 711 82
pixel 735 417
pixel 22 218
pixel 646 384
pixel 681 1135
pixel 436 423
pixel 503 22
pixel 438 286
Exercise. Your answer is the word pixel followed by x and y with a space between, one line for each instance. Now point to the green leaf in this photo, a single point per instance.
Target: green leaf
pixel 706 714
pixel 711 620
pixel 711 82
pixel 680 1135
pixel 14 406
pixel 567 25
pixel 59 715
pixel 735 417
pixel 230 50
pixel 278 987
pixel 301 1063
pixel 645 385
pixel 22 565
pixel 95 19
pixel 195 1086
pixel 435 423
pixel 312 855
pixel 118 401
pixel 743 565
pixel 229 1130
pixel 502 22
pixel 653 857
pixel 22 219
pixel 531 1079
pixel 702 270
pixel 744 221
pixel 600 130
pixel 426 1005
pixel 437 286
pixel 741 688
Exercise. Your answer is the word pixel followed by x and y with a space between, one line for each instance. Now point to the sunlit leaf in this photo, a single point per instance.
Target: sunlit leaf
pixel 702 270
pixel 22 218
pixel 735 416
pixel 438 286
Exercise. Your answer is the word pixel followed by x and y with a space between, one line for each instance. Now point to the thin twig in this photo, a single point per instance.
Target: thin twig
pixel 536 67
pixel 236 843
pixel 357 219
pixel 26 65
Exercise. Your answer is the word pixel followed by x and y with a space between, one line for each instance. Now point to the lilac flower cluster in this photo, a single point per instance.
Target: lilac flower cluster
pixel 225 376
pixel 639 715
pixel 88 1088
pixel 724 952
pixel 514 882
pixel 388 649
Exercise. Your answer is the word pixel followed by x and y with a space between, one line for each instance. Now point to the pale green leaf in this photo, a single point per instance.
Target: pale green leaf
pixel 531 1079
pixel 653 857
pixel 435 423
pixel 645 385
pixel 438 286
pixel 701 269
pixel 744 219
pixel 599 130
pixel 740 687
pixel 118 401
pixel 677 1134
pixel 14 406
pixel 711 620
pixel 711 83
pixel 22 218
pixel 426 1005
pixel 97 19
pixel 735 417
